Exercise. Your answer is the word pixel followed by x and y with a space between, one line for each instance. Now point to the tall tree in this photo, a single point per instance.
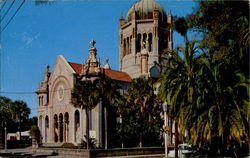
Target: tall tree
pixel 108 90
pixel 85 95
pixel 177 82
pixel 225 30
pixel 144 106
pixel 5 110
pixel 223 107
pixel 213 100
pixel 20 112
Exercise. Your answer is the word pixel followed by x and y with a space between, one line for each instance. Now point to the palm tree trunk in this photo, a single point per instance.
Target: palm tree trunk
pixel 122 130
pixel 20 127
pixel 106 126
pixel 141 132
pixel 176 140
pixel 87 126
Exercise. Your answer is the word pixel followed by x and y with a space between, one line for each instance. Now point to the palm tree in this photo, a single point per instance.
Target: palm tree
pixel 203 99
pixel 120 104
pixel 5 115
pixel 223 106
pixel 142 100
pixel 85 95
pixel 108 90
pixel 20 112
pixel 177 82
pixel 5 109
pixel 177 86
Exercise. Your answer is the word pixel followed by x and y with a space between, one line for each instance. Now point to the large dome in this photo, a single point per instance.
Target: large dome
pixel 144 10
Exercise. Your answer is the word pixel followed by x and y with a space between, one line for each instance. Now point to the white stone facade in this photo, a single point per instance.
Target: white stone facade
pixel 146 24
pixel 59 121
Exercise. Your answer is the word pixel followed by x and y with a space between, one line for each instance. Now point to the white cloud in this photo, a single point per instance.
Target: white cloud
pixel 28 39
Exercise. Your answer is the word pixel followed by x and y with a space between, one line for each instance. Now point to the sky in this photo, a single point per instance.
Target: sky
pixel 39 33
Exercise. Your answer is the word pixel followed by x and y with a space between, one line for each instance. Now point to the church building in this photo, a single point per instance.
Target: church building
pixel 144 38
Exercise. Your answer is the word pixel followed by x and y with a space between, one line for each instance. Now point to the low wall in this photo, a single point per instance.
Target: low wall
pixel 65 152
pixel 102 152
pixel 127 151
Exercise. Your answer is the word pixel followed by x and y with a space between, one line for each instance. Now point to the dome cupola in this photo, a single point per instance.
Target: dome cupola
pixel 144 10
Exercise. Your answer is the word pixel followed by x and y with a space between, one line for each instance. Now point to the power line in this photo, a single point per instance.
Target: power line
pixel 13 16
pixel 3 5
pixel 7 11
pixel 17 92
pixel 66 89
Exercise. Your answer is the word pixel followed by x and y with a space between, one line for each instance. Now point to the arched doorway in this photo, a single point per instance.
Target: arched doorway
pixel 66 131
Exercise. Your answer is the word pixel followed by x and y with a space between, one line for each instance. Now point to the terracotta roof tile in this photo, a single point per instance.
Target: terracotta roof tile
pixel 77 67
pixel 113 74
pixel 117 75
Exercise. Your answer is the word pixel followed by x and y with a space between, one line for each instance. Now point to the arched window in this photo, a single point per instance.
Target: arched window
pixel 144 37
pixel 124 47
pixel 61 127
pixel 46 128
pixel 77 125
pixel 138 43
pixel 47 122
pixel 130 40
pixel 42 100
pixel 55 128
pixel 128 46
pixel 150 42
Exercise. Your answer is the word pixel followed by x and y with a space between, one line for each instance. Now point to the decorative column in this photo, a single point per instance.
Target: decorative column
pixel 66 130
pixel 144 60
pixel 147 43
pixel 170 38
pixel 155 39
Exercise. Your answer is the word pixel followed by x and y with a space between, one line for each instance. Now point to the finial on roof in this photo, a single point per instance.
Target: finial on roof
pixel 169 12
pixel 92 43
pixel 91 64
pixel 106 65
pixel 121 16
pixel 47 68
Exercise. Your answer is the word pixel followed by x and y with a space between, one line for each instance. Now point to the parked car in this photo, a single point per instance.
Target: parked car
pixel 183 151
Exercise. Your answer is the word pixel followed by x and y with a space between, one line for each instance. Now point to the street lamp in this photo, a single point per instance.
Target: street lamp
pixel 164 106
pixel 5 146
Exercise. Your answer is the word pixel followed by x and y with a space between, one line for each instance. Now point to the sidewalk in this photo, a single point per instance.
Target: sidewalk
pixel 140 156
pixel 23 152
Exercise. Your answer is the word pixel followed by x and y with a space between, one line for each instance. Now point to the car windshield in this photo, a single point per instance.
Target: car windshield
pixel 184 147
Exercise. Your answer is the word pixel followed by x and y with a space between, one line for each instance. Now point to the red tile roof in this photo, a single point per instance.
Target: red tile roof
pixel 77 67
pixel 117 75
pixel 113 74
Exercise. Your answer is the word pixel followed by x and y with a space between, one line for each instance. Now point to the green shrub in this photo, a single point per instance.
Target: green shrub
pixel 83 144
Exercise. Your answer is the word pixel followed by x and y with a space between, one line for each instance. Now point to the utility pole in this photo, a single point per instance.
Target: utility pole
pixel 1 48
pixel 1 128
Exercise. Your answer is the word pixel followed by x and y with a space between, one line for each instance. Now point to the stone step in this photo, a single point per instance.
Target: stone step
pixel 52 144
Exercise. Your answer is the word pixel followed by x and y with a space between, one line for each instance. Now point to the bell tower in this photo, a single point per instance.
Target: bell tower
pixel 145 36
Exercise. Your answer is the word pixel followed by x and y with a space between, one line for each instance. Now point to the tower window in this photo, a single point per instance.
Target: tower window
pixel 150 42
pixel 124 47
pixel 138 43
pixel 42 100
